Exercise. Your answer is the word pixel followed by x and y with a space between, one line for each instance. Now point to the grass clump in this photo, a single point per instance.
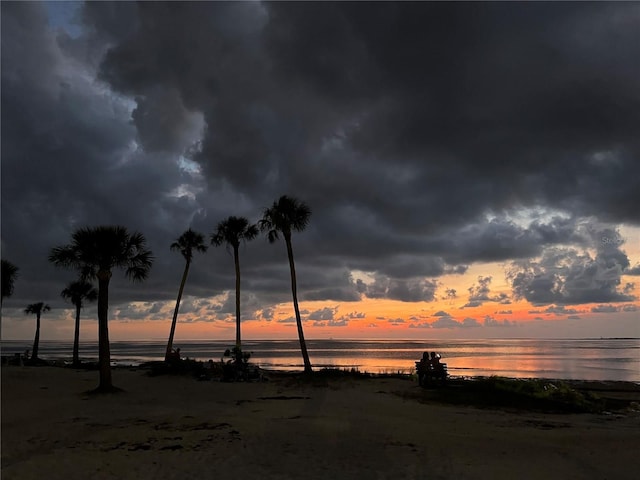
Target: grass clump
pixel 340 373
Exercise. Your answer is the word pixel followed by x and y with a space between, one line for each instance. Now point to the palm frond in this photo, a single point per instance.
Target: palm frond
pixel 78 291
pixel 232 231
pixel 103 248
pixel 37 308
pixel 286 214
pixel 272 235
pixel 9 275
pixel 188 242
pixel 64 256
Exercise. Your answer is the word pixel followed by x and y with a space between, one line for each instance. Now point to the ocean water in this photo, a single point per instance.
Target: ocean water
pixel 580 359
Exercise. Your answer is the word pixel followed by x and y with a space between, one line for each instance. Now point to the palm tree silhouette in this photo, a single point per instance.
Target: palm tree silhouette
pixel 9 275
pixel 287 214
pixel 232 231
pixel 38 309
pixel 95 252
pixel 77 292
pixel 185 244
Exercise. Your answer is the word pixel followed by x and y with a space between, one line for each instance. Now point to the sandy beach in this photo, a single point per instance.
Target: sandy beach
pixel 169 427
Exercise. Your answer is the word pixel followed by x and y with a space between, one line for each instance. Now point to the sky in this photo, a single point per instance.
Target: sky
pixel 473 169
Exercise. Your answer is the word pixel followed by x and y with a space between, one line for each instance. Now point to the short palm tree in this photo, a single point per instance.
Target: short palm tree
pixel 185 244
pixel 9 275
pixel 95 252
pixel 231 232
pixel 36 309
pixel 285 215
pixel 77 292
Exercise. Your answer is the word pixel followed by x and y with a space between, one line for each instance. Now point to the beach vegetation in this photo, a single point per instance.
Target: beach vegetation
pixel 237 355
pixel 286 215
pixel 95 252
pixel 527 394
pixel 352 372
pixel 232 232
pixel 36 309
pixel 238 367
pixel 77 292
pixel 188 243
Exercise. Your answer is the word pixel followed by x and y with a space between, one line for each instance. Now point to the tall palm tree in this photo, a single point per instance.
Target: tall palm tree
pixel 95 252
pixel 9 275
pixel 77 292
pixel 232 231
pixel 185 244
pixel 287 214
pixel 37 309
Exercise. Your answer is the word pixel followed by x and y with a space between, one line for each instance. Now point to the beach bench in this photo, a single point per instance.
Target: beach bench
pixel 428 375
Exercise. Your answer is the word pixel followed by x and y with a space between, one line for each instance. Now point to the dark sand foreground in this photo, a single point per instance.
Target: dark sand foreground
pixel 176 427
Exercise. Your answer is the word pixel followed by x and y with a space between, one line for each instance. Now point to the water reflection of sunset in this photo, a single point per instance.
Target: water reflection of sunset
pixel 514 358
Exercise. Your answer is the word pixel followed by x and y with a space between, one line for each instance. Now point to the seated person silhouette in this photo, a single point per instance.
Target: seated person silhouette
pixel 435 362
pixel 423 367
pixel 174 356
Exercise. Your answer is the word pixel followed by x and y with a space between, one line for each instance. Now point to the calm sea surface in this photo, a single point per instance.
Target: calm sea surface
pixel 586 359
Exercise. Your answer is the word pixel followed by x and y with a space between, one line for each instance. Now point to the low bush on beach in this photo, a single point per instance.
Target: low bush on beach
pixel 529 394
pixel 236 369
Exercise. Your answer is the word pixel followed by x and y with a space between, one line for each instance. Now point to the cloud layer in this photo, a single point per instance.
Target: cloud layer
pixel 426 137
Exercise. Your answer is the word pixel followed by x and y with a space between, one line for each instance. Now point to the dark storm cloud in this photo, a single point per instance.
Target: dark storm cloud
pixel 443 84
pixel 567 276
pixel 416 131
pixel 415 290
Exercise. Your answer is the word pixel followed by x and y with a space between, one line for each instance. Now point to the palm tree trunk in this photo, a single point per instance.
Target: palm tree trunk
pixel 104 353
pixel 36 340
pixel 167 354
pixel 236 258
pixel 76 338
pixel 294 291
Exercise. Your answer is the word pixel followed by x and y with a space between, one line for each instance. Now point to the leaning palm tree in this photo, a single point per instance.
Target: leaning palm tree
pixel 36 309
pixel 185 244
pixel 232 231
pixel 77 292
pixel 9 275
pixel 95 252
pixel 285 215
